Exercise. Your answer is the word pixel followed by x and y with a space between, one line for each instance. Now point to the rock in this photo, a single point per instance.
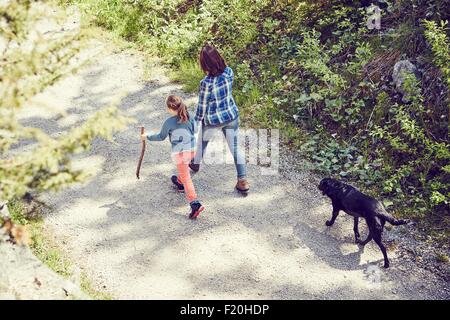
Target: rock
pixel 23 276
pixel 402 69
pixel 4 212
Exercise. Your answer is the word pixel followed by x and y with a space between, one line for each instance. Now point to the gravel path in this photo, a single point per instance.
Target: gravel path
pixel 134 239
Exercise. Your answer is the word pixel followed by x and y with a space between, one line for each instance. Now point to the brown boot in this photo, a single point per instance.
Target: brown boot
pixel 242 185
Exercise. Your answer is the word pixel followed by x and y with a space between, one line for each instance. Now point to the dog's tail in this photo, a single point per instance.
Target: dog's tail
pixel 395 222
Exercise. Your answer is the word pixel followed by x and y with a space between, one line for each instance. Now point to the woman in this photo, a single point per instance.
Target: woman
pixel 217 110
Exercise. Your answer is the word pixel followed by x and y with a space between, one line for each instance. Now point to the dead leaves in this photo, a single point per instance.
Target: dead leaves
pixel 16 233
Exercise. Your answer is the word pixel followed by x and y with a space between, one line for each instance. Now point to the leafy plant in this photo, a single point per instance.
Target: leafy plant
pixel 437 37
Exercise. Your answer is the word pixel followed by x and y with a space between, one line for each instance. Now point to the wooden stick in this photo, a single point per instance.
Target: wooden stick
pixel 142 155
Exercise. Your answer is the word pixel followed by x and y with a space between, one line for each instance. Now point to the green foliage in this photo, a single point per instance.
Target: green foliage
pixel 47 251
pixel 17 212
pixel 88 287
pixel 443 258
pixel 189 74
pixel 318 63
pixel 29 64
pixel 437 38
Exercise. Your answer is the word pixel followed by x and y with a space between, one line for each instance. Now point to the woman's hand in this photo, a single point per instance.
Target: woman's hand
pixel 197 126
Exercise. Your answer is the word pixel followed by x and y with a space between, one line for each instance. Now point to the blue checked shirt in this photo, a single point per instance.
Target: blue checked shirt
pixel 215 103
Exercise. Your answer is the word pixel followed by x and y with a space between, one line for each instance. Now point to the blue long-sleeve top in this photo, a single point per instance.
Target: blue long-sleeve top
pixel 181 135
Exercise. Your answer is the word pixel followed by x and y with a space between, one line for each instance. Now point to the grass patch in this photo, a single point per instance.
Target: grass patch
pixel 87 287
pixel 249 97
pixel 443 258
pixel 188 74
pixel 17 212
pixel 42 246
pixel 48 251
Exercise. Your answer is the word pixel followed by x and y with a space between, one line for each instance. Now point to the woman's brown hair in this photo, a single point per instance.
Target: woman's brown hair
pixel 211 61
pixel 175 103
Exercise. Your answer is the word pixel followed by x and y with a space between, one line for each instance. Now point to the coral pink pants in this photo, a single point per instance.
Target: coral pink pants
pixel 182 161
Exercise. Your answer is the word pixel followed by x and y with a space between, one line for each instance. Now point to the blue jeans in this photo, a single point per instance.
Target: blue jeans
pixel 231 133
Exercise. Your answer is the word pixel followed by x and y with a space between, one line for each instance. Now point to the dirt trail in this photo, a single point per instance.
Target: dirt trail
pixel 134 239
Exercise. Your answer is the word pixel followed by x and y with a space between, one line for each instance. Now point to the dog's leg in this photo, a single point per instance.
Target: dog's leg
pixel 378 230
pixel 372 229
pixel 377 239
pixel 334 215
pixel 356 231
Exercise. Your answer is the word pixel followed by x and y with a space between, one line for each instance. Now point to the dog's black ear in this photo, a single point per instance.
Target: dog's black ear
pixel 321 184
pixel 335 183
pixel 333 187
pixel 326 186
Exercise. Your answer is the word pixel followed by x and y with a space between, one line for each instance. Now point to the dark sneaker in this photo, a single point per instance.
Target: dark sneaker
pixel 196 208
pixel 242 185
pixel 194 167
pixel 179 186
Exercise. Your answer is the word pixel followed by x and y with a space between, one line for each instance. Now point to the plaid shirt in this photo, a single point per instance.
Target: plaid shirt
pixel 215 103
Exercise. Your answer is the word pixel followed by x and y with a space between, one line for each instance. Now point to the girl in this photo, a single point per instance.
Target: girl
pixel 218 111
pixel 180 129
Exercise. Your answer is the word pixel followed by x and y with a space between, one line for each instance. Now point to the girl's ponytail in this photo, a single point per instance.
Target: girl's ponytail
pixel 183 113
pixel 176 103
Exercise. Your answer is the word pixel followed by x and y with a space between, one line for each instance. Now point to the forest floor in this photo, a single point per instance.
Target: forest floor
pixel 133 236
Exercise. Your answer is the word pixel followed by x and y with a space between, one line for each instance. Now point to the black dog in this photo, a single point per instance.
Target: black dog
pixel 348 199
